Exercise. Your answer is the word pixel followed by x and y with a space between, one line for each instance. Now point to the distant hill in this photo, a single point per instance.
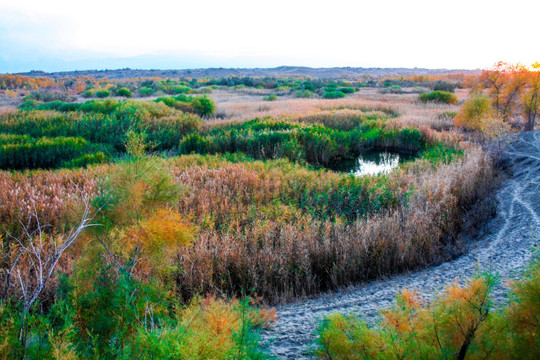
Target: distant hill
pixel 226 72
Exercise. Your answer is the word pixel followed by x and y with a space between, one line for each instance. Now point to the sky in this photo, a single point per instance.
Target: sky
pixel 60 35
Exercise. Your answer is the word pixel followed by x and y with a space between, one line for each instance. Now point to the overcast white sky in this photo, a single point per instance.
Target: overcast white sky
pixel 64 35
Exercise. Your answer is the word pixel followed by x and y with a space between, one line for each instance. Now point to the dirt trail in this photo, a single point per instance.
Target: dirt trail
pixel 506 248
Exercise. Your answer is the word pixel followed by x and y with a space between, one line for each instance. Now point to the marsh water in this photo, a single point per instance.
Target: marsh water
pixel 372 162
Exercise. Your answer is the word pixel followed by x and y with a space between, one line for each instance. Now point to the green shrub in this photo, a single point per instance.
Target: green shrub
pixel 169 101
pixel 270 97
pixel 100 106
pixel 102 93
pixel 331 87
pixel 29 105
pixel 53 105
pixel 89 93
pixel 444 86
pixel 179 90
pixel 308 85
pixel 124 92
pixel 395 89
pixel 304 94
pixel 146 91
pixel 443 97
pixel 346 90
pixel 65 107
pixel 203 105
pixel 333 95
pixel 181 102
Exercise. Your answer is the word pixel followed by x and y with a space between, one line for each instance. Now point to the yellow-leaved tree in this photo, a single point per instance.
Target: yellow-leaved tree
pixel 141 230
pixel 514 91
pixel 477 114
pixel 505 83
pixel 473 112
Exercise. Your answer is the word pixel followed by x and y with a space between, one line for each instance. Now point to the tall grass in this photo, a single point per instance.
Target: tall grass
pixel 165 129
pixel 51 195
pixel 284 251
pixel 281 230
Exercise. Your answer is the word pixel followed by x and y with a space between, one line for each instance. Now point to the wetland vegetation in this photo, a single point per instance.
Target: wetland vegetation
pixel 163 225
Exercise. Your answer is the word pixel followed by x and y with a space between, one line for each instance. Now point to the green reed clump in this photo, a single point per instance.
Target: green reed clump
pixel 319 139
pixel 24 152
pixel 98 157
pixel 200 105
pixel 165 128
pixel 309 142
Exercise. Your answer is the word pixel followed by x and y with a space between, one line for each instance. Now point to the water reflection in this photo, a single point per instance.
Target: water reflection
pixel 371 163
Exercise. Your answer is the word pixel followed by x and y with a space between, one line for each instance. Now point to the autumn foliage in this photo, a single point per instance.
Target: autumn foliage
pixel 507 94
pixel 461 323
pixel 141 231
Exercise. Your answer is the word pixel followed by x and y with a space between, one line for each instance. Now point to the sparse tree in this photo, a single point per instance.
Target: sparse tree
pixel 531 97
pixel 505 83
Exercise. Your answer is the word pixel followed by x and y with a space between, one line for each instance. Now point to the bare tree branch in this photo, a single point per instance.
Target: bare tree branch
pixel 41 254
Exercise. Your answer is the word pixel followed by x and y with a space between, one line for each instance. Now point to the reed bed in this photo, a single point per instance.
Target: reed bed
pixel 281 230
pixel 285 252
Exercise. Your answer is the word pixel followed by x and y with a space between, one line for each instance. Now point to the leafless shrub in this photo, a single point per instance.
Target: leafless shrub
pixel 32 259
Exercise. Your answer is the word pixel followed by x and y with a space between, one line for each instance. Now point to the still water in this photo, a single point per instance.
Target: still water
pixel 372 163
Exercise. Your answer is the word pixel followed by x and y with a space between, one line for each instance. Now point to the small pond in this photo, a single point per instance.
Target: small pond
pixel 372 162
